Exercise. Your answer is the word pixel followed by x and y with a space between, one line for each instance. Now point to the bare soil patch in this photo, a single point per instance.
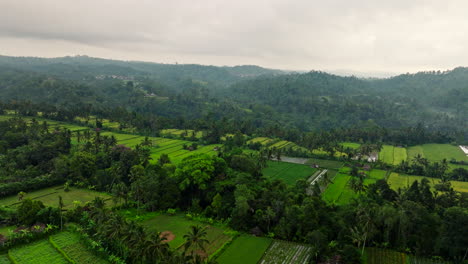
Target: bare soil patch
pixel 168 235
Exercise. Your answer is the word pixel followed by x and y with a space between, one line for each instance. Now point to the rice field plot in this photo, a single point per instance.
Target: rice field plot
pixel 4 259
pixel 375 175
pixel 69 243
pixel 351 145
pixel 280 144
pixel 261 140
pixel 285 252
pixel 245 249
pixel 384 256
pixel 180 133
pixel 438 152
pixel 335 189
pixel 386 154
pixel 414 151
pixel 397 180
pixel 399 155
pixel 37 253
pixel 287 172
pixel 179 225
pixel 49 196
pixel 420 260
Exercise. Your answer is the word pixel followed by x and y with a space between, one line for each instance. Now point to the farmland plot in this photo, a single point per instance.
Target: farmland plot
pixel 286 252
pixel 399 155
pixel 245 249
pixel 397 180
pixel 385 256
pixel 386 154
pixel 288 172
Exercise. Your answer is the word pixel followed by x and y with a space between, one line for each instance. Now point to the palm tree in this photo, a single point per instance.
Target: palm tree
pixel 61 209
pixel 155 248
pixel 195 240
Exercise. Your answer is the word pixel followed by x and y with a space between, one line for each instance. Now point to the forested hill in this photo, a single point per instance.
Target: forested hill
pixel 84 67
pixel 250 95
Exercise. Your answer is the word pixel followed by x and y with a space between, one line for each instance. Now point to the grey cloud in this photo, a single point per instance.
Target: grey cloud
pixel 361 35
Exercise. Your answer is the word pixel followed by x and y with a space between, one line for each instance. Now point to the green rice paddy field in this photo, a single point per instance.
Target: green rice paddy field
pixel 288 172
pixel 397 180
pixel 49 196
pixel 245 249
pixel 339 192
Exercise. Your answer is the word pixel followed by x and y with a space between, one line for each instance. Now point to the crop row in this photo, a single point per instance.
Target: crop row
pixel 286 252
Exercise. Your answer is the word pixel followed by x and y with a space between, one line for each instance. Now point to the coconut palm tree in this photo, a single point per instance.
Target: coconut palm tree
pixel 195 240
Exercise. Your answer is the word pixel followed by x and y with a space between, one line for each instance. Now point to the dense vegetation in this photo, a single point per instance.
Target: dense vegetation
pixel 312 113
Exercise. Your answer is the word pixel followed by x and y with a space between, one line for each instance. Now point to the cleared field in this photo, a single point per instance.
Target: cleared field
pixel 350 145
pixel 245 249
pixel 402 181
pixel 399 155
pixel 285 252
pixel 39 252
pixel 386 154
pixel 69 244
pixel 179 226
pixel 288 172
pixel 49 196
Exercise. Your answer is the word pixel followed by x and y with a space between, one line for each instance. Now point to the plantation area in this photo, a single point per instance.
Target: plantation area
pixel 37 252
pixel 339 192
pixel 285 252
pixel 158 146
pixel 245 249
pixel 50 197
pixel 397 180
pixel 179 225
pixel 288 172
pixel 386 256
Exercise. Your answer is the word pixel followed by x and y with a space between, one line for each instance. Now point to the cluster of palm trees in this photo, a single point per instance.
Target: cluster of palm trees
pixel 134 244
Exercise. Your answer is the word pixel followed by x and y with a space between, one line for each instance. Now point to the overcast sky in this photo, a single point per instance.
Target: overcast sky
pixel 353 35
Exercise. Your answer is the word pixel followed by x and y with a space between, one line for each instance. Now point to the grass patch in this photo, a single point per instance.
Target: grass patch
pixel 287 172
pixel 245 249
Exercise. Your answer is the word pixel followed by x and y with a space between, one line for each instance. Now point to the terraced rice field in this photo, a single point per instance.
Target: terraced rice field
pixel 70 245
pixel 399 155
pixel 179 225
pixel 261 140
pixel 384 256
pixel 283 252
pixel 386 154
pixel 397 180
pixel 49 196
pixel 335 189
pixel 180 133
pixel 245 249
pixel 39 252
pixel 287 172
